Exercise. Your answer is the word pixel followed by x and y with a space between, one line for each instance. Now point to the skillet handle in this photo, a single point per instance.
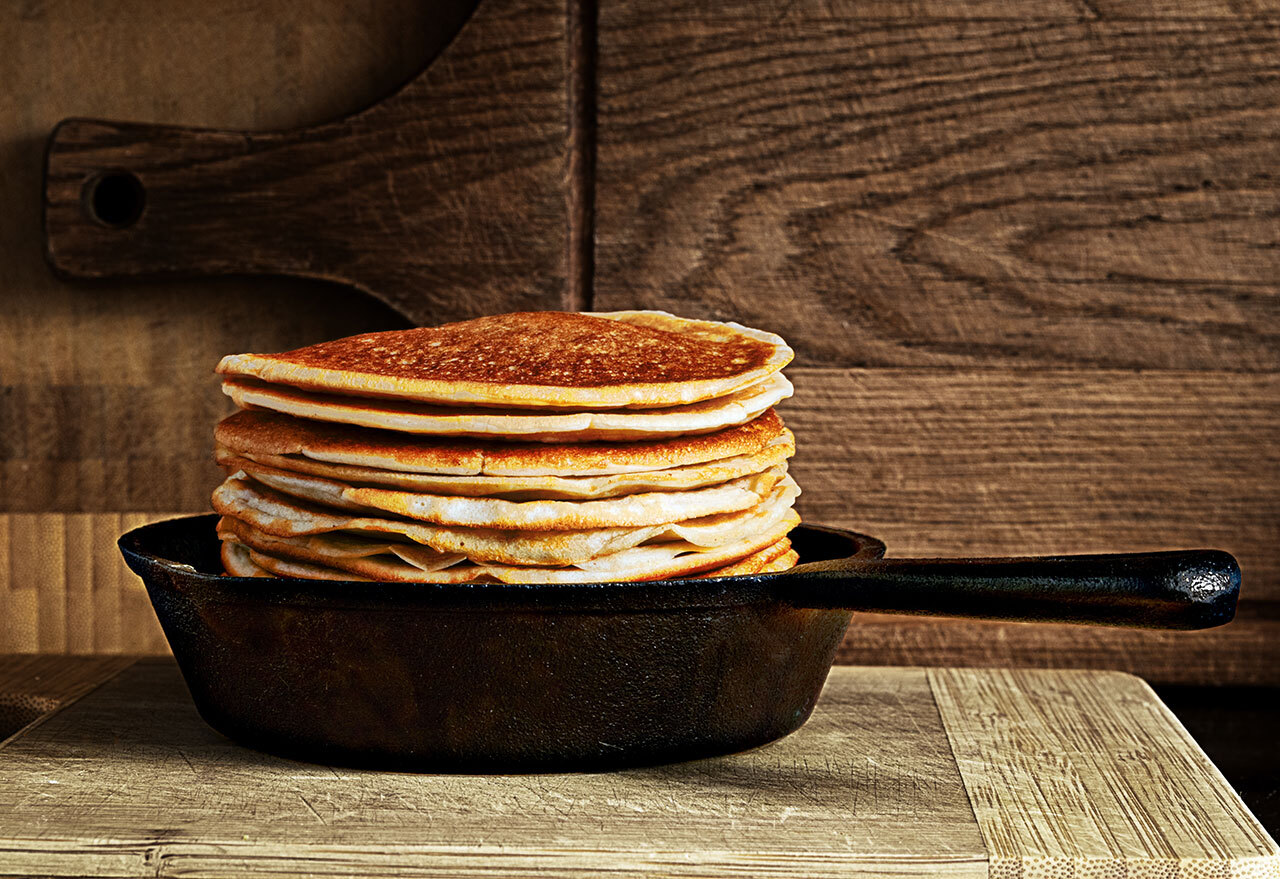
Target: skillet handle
pixel 1188 589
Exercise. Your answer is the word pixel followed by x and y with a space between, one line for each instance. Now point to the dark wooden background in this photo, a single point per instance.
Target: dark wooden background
pixel 1027 252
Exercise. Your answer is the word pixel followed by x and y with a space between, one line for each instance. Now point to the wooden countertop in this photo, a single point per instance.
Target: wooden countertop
pixel 964 771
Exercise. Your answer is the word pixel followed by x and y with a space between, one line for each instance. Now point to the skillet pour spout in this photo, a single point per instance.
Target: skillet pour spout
pixel 471 677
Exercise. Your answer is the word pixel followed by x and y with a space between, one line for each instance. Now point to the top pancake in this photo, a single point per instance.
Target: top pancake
pixel 632 359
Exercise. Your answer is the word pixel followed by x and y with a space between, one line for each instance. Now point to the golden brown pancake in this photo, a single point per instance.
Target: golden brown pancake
pixel 518 448
pixel 254 432
pixel 635 359
pixel 541 425
pixel 520 488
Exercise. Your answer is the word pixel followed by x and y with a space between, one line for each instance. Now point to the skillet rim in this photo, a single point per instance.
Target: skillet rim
pixel 146 551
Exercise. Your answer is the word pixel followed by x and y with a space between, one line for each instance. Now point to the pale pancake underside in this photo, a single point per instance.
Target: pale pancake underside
pixel 629 511
pixel 279 515
pixel 777 557
pixel 521 488
pixel 237 561
pixel 373 556
pixel 299 558
pixel 514 394
pixel 738 407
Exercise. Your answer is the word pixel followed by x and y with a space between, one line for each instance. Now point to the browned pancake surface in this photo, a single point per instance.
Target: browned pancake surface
pixel 261 432
pixel 552 348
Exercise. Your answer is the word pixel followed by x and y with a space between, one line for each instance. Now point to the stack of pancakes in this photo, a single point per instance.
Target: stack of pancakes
pixel 531 447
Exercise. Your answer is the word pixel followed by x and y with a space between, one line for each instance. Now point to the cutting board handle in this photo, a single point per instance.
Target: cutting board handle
pixel 126 199
pixel 445 198
pixel 1188 589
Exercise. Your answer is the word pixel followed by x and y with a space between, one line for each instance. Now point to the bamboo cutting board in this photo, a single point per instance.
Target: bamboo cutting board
pixel 900 772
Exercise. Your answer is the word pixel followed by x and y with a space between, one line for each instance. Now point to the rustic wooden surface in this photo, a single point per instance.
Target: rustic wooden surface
pixel 1069 772
pixel 1026 252
pixel 988 462
pixel 1238 728
pixel 1036 187
pixel 35 685
pixel 66 588
pixel 106 390
pixel 446 198
pixel 1240 653
pixel 900 772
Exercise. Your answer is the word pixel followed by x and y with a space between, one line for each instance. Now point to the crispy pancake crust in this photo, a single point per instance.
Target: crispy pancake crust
pixel 641 359
pixel 257 432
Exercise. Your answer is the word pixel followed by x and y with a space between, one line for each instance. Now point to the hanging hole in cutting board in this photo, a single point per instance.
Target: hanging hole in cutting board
pixel 115 199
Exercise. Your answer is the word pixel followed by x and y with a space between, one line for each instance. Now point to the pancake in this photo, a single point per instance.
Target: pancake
pixel 706 416
pixel 292 557
pixel 256 433
pixel 782 563
pixel 329 549
pixel 237 561
pixel 280 515
pixel 240 561
pixel 529 360
pixel 627 511
pixel 519 448
pixel 523 487
pixel 767 559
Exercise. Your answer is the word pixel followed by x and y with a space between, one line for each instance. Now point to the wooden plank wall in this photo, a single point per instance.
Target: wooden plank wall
pixel 107 396
pixel 1027 253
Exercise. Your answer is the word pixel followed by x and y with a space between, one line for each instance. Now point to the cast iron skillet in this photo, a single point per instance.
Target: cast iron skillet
pixel 465 677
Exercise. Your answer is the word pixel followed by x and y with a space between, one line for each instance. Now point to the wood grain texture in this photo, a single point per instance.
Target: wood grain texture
pixel 998 192
pixel 1237 727
pixel 580 173
pixel 1072 772
pixel 976 462
pixel 979 185
pixel 65 589
pixel 991 462
pixel 35 685
pixel 1242 653
pixel 446 198
pixel 868 786
pixel 878 783
pixel 107 398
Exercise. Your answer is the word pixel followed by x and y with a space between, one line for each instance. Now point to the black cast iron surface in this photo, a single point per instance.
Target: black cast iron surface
pixel 560 676
pixel 457 677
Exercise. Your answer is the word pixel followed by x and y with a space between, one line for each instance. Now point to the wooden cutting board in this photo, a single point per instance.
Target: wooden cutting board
pixel 901 771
